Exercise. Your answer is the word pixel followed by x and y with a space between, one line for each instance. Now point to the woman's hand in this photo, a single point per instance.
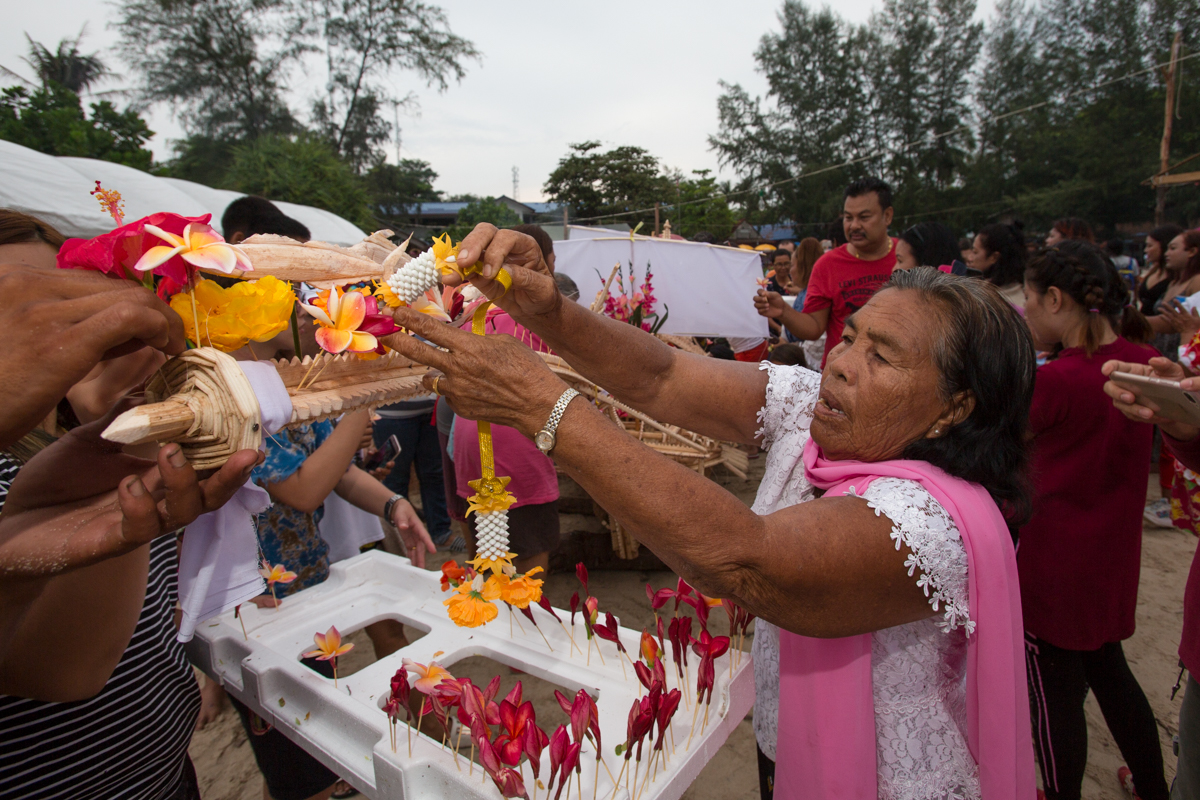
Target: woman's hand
pixel 533 292
pixel 412 532
pixel 1129 400
pixel 1185 322
pixel 494 378
pixel 111 504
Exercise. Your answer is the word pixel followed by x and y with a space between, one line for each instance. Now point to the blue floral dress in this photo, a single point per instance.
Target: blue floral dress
pixel 288 535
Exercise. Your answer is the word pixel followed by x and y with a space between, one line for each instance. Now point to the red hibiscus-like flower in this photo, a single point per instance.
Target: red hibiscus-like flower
pixel 116 252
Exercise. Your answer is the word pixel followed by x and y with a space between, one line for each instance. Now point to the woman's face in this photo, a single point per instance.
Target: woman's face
pixel 880 388
pixel 33 254
pixel 905 257
pixel 1153 250
pixel 1054 237
pixel 1042 315
pixel 1177 256
pixel 980 258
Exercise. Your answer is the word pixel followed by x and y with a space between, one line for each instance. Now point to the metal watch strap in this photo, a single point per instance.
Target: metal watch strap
pixel 560 408
pixel 389 505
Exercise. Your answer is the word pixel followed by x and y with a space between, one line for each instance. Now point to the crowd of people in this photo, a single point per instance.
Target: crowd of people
pixel 943 555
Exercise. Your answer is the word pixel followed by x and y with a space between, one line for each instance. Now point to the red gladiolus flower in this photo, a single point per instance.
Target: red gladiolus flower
pixel 508 781
pixel 510 744
pixel 709 648
pixel 582 573
pixel 544 602
pixel 659 599
pixel 570 763
pixel 559 742
pixel 666 710
pixel 535 741
pixel 574 607
pixel 609 631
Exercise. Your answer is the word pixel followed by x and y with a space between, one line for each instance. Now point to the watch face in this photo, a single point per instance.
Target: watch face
pixel 544 441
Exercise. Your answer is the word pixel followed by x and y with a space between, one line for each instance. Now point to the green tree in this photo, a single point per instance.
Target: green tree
pixel 66 66
pixel 51 120
pixel 815 117
pixel 482 209
pixel 697 208
pixel 222 65
pixel 397 188
pixel 301 168
pixel 364 42
pixel 609 184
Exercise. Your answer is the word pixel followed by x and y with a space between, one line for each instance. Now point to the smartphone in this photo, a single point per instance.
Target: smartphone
pixel 1174 403
pixel 387 452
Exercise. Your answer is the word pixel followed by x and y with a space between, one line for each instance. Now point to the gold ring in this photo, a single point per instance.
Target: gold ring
pixel 436 378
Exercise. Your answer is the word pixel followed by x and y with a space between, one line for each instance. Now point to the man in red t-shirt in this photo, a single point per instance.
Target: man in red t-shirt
pixel 843 279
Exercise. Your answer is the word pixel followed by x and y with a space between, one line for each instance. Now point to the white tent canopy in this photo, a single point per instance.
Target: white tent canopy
pixel 708 289
pixel 56 191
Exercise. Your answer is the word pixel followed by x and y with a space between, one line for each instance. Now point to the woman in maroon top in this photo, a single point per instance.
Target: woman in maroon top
pixel 1079 555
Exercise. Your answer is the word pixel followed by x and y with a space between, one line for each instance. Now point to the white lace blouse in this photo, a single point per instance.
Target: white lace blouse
pixel 918 669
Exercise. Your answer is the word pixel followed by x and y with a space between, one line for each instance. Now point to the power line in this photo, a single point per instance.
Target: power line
pixel 886 151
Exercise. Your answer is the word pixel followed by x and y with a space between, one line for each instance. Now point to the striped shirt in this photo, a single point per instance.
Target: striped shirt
pixel 127 742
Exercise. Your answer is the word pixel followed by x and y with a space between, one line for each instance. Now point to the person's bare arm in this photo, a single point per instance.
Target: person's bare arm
pixel 363 491
pixel 74 555
pixel 824 568
pixel 710 396
pixel 306 488
pixel 801 324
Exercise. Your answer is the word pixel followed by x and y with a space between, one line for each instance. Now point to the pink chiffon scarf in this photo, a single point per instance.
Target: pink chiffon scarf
pixel 827 743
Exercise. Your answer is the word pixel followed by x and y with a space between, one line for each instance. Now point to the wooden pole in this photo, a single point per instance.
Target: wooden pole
pixel 566 235
pixel 1164 150
pixel 656 218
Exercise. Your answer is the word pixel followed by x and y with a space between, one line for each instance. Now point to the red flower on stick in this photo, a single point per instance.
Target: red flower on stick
pixel 709 648
pixel 508 781
pixel 611 632
pixel 510 744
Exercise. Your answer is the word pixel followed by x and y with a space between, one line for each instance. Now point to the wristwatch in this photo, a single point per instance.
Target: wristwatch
pixel 388 506
pixel 545 438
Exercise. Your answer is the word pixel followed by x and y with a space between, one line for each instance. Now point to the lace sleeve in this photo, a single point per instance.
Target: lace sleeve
pixel 920 522
pixel 788 406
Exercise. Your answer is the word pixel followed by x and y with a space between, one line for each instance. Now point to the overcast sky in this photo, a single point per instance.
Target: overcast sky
pixel 638 72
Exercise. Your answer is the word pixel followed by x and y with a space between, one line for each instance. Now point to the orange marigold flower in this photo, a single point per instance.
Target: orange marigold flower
pixel 471 606
pixel 521 590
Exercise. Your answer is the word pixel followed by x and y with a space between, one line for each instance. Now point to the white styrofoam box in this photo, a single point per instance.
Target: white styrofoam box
pixel 346 729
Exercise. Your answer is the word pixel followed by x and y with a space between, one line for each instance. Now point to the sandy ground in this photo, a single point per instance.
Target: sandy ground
pixel 226 768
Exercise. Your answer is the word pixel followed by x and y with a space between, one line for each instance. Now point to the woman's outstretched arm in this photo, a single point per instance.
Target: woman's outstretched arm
pixel 707 395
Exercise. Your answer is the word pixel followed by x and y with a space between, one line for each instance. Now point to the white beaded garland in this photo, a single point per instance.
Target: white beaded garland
pixel 415 278
pixel 491 531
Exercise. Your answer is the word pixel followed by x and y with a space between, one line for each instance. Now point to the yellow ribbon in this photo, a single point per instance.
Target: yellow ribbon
pixel 490 492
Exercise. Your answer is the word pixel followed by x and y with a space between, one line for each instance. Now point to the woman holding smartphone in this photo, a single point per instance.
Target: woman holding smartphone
pixel 1079 555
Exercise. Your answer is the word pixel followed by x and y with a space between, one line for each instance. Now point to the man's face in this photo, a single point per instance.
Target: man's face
pixel 865 221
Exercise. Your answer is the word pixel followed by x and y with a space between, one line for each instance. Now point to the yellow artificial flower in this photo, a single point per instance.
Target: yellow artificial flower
pixel 471 604
pixel 522 590
pixel 445 254
pixel 248 311
pixel 386 296
pixel 329 645
pixel 490 496
pixel 494 565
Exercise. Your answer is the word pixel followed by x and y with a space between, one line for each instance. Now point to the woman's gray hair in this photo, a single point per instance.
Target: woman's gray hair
pixel 983 349
pixel 567 286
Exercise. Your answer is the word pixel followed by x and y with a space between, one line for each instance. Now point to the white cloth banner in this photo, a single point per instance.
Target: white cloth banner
pixel 218 563
pixel 709 289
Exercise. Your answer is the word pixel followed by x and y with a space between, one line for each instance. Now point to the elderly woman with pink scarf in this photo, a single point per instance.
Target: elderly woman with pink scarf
pixel 878 554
